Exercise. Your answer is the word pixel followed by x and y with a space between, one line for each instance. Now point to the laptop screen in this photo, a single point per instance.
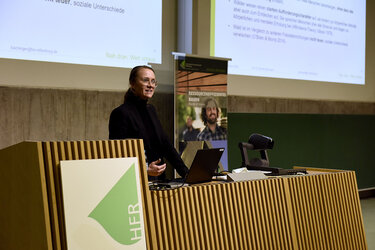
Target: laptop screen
pixel 204 165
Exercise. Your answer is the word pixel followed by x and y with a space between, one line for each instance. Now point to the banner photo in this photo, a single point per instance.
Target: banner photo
pixel 201 105
pixel 102 204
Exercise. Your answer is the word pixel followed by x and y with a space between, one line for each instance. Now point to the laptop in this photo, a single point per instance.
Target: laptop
pixel 204 165
pixel 202 168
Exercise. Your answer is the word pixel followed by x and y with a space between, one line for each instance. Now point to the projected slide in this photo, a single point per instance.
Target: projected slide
pixel 94 32
pixel 322 40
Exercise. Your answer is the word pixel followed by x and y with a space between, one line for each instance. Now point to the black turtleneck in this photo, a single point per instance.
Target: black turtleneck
pixel 137 119
pixel 152 146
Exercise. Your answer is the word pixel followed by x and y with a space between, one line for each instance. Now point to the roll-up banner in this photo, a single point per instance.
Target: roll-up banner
pixel 200 105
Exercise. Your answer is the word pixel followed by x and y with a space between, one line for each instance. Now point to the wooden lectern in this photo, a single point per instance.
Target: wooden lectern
pixel 31 208
pixel 320 210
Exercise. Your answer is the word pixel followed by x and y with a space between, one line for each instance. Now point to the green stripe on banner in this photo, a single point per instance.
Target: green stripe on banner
pixel 212 29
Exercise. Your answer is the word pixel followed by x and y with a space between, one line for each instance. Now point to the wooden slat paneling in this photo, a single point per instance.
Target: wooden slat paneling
pixel 243 215
pixel 318 211
pixel 326 213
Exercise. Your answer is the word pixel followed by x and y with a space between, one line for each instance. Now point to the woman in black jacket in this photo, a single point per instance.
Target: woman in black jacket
pixel 137 119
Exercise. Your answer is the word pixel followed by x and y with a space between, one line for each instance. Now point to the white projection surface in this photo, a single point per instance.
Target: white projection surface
pixel 322 40
pixel 99 32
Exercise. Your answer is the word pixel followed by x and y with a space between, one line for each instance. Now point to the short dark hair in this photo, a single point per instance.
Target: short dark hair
pixel 203 112
pixel 135 70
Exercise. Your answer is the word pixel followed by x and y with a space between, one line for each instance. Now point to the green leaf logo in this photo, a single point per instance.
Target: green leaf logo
pixel 183 64
pixel 119 212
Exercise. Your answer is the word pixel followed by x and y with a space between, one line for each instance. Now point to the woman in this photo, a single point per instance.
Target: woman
pixel 135 118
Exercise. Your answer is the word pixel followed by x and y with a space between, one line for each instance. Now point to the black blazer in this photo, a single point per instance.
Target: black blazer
pixel 126 123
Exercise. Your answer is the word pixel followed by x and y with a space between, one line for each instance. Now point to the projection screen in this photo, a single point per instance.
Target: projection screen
pixel 100 32
pixel 293 39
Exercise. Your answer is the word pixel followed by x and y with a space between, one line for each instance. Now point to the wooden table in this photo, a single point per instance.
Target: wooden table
pixel 320 210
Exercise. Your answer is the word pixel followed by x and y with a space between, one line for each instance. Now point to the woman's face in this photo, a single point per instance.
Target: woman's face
pixel 144 84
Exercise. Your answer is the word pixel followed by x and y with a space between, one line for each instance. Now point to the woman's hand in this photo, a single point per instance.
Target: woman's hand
pixel 154 169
